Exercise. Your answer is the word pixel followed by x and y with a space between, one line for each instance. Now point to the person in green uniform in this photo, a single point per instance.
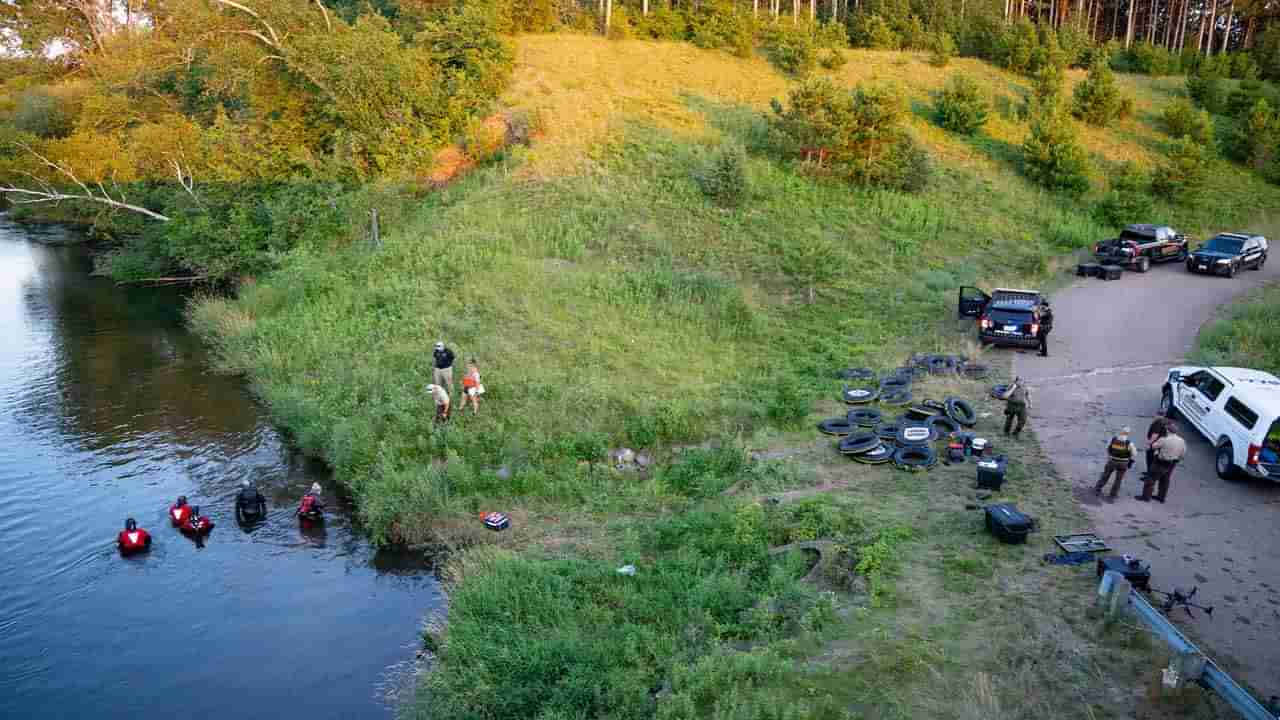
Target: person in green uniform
pixel 1017 398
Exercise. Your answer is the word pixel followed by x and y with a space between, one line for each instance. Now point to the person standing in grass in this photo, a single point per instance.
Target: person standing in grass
pixel 441 397
pixel 1017 400
pixel 442 366
pixel 472 388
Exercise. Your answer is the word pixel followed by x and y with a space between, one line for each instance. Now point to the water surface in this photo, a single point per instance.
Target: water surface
pixel 108 410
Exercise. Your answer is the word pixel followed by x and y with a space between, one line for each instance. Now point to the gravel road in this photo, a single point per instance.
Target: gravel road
pixel 1112 345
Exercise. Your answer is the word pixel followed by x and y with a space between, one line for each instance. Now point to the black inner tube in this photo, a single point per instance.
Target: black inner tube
pixel 888 430
pixel 876 455
pixel 938 405
pixel 864 417
pixel 912 435
pixel 896 398
pixel 920 412
pixel 915 457
pixel 859 395
pixel 998 390
pixel 976 371
pixel 895 382
pixel 858 442
pixel 859 373
pixel 835 426
pixel 962 412
pixel 943 425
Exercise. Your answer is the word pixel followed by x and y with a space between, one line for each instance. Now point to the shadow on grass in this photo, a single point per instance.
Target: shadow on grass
pixel 1002 151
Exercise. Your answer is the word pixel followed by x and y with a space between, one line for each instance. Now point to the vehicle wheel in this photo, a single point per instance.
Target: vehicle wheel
pixel 1231 270
pixel 1189 267
pixel 1144 264
pixel 1261 261
pixel 1225 462
pixel 1167 408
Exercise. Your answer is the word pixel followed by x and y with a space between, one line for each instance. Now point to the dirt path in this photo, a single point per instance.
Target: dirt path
pixel 1111 348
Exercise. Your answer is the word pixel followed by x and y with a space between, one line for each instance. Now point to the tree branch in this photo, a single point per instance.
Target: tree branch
pixel 40 196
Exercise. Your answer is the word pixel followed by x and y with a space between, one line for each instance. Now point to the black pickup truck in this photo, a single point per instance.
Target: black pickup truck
pixel 1139 246
pixel 1006 316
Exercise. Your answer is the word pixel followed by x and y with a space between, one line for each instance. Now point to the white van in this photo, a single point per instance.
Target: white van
pixel 1237 409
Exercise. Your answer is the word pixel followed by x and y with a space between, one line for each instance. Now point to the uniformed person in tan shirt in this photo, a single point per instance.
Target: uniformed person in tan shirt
pixel 1169 451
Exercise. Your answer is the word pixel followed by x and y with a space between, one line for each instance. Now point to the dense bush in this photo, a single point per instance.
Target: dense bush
pixel 1205 88
pixel 721 24
pixel 1128 200
pixel 1097 100
pixel 1182 173
pixel 873 31
pixel 791 49
pixel 1052 155
pixel 856 135
pixel 1181 118
pixel 724 179
pixel 832 59
pixel 1256 140
pixel 961 106
pixel 942 48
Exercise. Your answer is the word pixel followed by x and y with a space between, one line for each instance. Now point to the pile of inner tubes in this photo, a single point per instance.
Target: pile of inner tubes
pixel 868 435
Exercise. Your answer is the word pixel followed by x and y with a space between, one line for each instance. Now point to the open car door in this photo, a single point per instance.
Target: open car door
pixel 972 301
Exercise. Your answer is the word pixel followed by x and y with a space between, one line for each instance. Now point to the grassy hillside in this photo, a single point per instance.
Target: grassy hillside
pixel 609 303
pixel 1247 335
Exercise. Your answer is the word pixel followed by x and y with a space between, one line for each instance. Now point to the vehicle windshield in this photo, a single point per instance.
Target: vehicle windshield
pixel 1140 238
pixel 1010 317
pixel 1230 246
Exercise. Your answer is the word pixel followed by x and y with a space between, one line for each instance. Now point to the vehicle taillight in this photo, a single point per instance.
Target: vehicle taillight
pixel 1253 454
pixel 984 323
pixel 1035 328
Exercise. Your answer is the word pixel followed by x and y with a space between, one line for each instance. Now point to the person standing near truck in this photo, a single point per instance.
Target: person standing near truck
pixel 1159 428
pixel 1044 328
pixel 1170 450
pixel 1017 400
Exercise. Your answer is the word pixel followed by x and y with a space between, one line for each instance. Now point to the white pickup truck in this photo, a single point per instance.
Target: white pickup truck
pixel 1236 409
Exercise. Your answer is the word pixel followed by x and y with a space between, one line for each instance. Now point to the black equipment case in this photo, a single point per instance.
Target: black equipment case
pixel 991 472
pixel 1088 269
pixel 1112 272
pixel 1136 572
pixel 1008 524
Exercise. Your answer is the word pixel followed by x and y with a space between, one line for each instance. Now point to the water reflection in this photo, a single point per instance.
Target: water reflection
pixel 107 410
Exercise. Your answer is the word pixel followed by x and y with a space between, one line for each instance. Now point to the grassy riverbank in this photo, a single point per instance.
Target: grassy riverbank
pixel 1246 335
pixel 610 303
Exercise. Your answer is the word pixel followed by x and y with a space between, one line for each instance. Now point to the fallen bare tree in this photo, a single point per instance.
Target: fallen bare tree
pixel 46 192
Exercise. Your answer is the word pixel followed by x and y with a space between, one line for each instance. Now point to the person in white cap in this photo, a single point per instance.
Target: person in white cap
pixel 442 362
pixel 441 396
pixel 1121 454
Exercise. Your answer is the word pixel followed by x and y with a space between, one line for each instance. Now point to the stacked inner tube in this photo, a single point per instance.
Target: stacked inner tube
pixel 920 412
pixel 860 374
pixel 877 455
pixel 896 398
pixel 864 417
pixel 858 442
pixel 997 391
pixel 975 371
pixel 859 395
pixel 943 425
pixel 937 406
pixel 915 436
pixel 888 431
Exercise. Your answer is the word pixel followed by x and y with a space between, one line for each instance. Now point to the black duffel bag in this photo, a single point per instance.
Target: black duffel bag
pixel 1009 524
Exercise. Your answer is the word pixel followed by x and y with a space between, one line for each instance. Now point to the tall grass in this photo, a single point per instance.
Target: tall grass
pixel 1248 335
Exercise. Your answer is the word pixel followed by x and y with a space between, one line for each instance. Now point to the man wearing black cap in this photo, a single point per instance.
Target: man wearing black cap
pixel 442 371
pixel 1044 327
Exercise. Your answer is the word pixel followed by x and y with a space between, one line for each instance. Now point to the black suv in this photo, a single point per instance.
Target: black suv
pixel 1005 317
pixel 1228 253
pixel 1140 246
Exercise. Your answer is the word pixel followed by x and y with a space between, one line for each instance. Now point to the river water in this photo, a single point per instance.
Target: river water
pixel 107 410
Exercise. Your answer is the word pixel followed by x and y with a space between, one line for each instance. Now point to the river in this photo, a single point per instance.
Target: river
pixel 108 410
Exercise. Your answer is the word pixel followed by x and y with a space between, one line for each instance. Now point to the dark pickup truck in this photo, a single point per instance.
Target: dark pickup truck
pixel 1139 246
pixel 1005 317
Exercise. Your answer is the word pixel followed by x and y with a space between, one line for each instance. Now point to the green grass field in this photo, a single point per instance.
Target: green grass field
pixel 1246 335
pixel 609 304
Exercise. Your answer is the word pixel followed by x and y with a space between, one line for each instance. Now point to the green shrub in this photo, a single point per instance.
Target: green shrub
pixel 1181 118
pixel 721 24
pixel 44 115
pixel 1052 156
pixel 872 31
pixel 914 36
pixel 832 59
pixel 724 180
pixel 942 48
pixel 1046 91
pixel 961 106
pixel 856 135
pixel 620 24
pixel 1182 174
pixel 662 23
pixel 1097 100
pixel 1128 200
pixel 791 49
pixel 1255 140
pixel 1205 88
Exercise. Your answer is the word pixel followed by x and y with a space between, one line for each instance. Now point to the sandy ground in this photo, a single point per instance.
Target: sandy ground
pixel 1110 351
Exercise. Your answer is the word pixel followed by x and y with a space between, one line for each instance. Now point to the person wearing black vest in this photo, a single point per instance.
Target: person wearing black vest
pixel 1158 429
pixel 1121 454
pixel 1044 328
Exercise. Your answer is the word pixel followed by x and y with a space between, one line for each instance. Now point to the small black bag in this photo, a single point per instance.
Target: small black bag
pixel 1008 524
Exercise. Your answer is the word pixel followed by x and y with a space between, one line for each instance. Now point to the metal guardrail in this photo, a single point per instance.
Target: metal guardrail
pixel 1212 676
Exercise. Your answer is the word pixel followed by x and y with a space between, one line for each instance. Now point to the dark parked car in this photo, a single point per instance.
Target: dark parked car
pixel 1139 246
pixel 1005 317
pixel 1228 253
